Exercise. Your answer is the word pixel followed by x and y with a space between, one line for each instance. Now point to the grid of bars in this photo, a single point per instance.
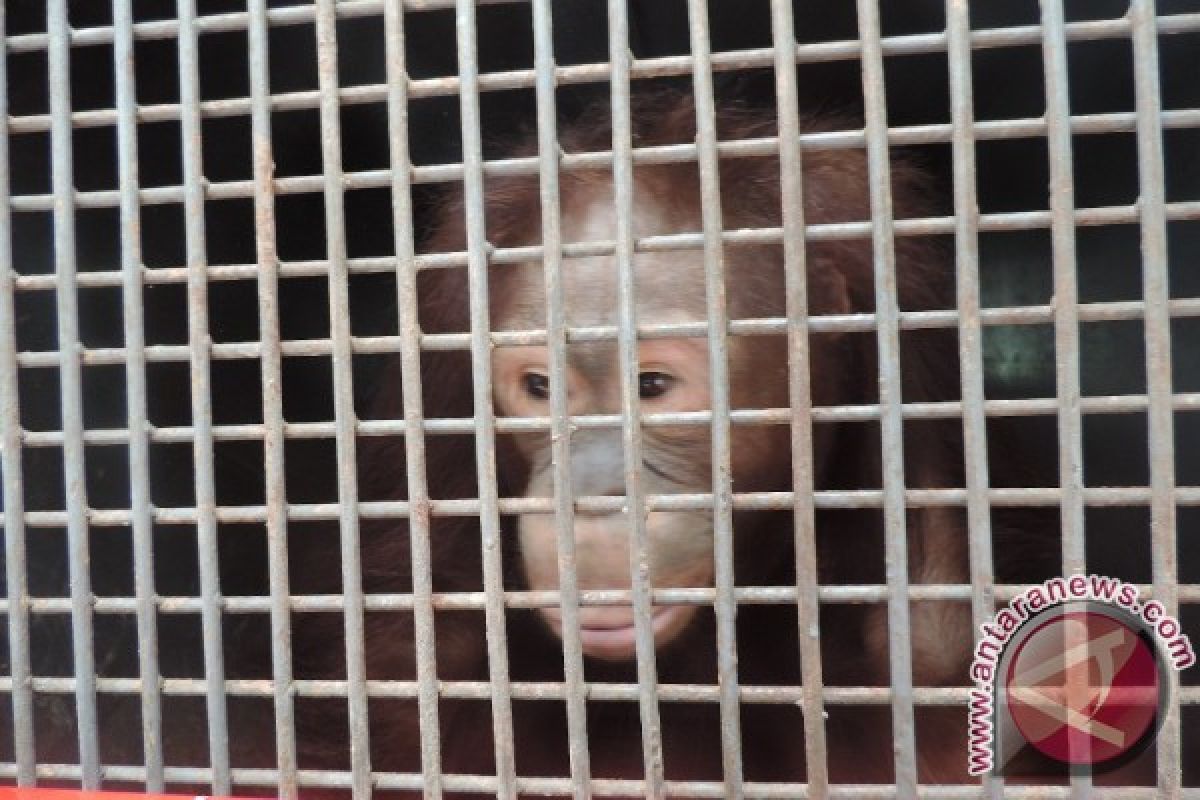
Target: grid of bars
pixel 1152 213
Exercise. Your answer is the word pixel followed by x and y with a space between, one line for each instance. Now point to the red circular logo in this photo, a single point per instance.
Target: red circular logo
pixel 1084 687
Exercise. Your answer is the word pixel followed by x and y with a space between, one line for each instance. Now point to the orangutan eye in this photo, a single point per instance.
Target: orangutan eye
pixel 653 384
pixel 536 385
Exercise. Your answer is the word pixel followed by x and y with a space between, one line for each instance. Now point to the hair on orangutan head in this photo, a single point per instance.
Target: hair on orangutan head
pixel 674 373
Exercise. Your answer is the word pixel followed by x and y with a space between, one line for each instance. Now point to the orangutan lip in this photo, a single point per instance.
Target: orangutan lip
pixel 655 615
pixel 605 634
pixel 601 620
pixel 615 625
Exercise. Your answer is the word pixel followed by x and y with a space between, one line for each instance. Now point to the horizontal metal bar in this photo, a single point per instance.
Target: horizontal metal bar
pixel 1096 497
pixel 236 21
pixel 901 136
pixel 758 58
pixel 542 690
pixel 521 690
pixel 855 594
pixel 1042 406
pixel 928 226
pixel 563 787
pixel 843 323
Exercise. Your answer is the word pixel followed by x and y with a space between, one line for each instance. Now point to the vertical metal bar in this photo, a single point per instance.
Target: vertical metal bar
pixel 1155 293
pixel 1066 295
pixel 343 399
pixel 272 399
pixel 970 334
pixel 200 350
pixel 808 609
pixel 560 428
pixel 620 58
pixel 10 465
pixel 891 423
pixel 1066 299
pixel 718 365
pixel 485 418
pixel 407 304
pixel 71 379
pixel 135 394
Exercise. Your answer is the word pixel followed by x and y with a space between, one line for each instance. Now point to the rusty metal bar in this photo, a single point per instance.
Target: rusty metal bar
pixel 759 58
pixel 1025 497
pixel 447 601
pixel 1007 221
pixel 934 133
pixel 1066 295
pixel 717 318
pixel 995 222
pixel 199 349
pixel 151 30
pixel 1099 404
pixel 912 320
pixel 343 400
pixel 136 396
pixel 347 9
pixel 970 329
pixel 272 401
pixel 549 155
pixel 414 414
pixel 800 416
pixel 71 393
pixel 1112 404
pixel 553 691
pixel 1066 300
pixel 634 504
pixel 890 398
pixel 1160 413
pixel 15 560
pixel 484 416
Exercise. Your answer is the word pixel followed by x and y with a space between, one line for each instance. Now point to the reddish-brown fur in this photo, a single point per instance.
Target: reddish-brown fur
pixel 844 370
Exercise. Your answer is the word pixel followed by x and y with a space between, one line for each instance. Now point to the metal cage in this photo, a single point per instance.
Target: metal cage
pixel 97 333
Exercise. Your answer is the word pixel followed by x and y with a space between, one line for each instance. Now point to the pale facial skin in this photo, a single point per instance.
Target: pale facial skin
pixel 673 377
